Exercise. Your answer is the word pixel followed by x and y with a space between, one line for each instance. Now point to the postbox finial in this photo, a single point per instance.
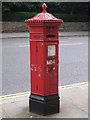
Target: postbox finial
pixel 44 6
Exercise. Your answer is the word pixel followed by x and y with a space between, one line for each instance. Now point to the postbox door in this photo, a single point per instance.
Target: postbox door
pixel 51 68
pixel 37 67
pixel 33 65
pixel 40 67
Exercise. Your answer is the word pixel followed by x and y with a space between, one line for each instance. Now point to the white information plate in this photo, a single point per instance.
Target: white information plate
pixel 51 50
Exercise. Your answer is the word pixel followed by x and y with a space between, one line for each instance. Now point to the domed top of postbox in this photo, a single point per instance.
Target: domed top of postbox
pixel 43 17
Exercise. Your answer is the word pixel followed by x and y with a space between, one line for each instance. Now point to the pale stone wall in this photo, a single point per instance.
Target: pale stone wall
pixel 22 27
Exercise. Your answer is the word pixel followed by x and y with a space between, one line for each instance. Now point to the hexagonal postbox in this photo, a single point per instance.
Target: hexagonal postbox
pixel 44 98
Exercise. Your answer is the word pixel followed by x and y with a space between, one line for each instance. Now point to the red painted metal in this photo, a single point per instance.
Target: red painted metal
pixel 43 17
pixel 44 52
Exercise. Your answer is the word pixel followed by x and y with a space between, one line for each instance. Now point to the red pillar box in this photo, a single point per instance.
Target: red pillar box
pixel 44 98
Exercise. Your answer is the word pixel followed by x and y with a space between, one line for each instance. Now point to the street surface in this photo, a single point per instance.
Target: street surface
pixel 15 63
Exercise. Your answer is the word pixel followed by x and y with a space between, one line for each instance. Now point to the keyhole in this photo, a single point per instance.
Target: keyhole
pixel 36 48
pixel 36 87
pixel 51 68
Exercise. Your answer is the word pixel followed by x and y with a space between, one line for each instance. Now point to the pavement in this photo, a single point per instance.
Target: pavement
pixel 74 103
pixel 26 34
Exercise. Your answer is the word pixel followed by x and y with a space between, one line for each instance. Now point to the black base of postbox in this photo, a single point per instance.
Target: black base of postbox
pixel 44 105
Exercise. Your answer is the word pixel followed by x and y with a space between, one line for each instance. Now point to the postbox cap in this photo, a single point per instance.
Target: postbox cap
pixel 43 17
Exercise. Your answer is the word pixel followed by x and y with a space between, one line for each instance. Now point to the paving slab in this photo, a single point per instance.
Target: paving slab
pixel 74 104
